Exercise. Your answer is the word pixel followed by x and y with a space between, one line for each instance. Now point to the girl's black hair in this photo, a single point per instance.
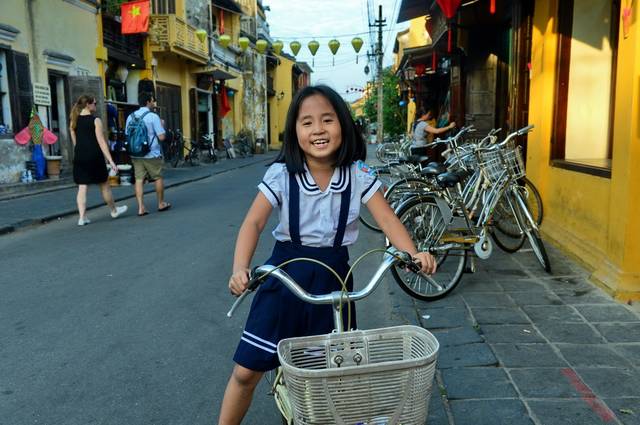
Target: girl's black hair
pixel 353 146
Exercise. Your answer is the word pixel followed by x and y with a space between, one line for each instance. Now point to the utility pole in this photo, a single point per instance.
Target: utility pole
pixel 380 53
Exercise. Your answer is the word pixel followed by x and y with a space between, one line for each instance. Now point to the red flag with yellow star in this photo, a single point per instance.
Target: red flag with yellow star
pixel 135 16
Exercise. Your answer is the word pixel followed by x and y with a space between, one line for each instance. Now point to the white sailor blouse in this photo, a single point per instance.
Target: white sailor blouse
pixel 319 211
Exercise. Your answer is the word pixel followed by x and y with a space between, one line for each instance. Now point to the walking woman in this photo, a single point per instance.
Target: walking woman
pixel 89 153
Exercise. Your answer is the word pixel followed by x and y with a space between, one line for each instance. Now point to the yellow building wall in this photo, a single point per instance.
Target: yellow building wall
pixel 593 218
pixel 282 83
pixel 34 19
pixel 177 72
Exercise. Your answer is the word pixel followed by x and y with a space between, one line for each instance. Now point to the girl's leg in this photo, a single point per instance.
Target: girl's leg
pixel 238 395
pixel 81 200
pixel 107 195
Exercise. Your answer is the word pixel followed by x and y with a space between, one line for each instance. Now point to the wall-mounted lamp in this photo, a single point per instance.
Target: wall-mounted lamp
pixel 410 73
pixel 280 95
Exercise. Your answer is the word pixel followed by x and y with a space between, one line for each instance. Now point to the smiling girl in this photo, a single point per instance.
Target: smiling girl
pixel 317 183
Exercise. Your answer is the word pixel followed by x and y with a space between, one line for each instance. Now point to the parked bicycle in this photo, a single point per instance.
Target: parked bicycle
pixel 377 376
pixel 172 147
pixel 242 146
pixel 196 149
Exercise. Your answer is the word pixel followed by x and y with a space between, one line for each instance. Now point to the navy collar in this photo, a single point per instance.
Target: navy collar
pixel 339 181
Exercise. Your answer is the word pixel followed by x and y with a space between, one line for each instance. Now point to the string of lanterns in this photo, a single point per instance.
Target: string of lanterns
pixel 261 46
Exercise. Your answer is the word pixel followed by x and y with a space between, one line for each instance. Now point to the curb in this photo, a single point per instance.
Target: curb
pixel 4 230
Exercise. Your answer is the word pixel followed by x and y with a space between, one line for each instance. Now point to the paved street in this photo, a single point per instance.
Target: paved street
pixel 123 321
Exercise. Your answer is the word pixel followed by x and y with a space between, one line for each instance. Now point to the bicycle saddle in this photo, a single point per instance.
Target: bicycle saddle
pixel 433 169
pixel 448 179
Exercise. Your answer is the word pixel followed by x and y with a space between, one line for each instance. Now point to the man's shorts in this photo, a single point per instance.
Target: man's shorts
pixel 149 168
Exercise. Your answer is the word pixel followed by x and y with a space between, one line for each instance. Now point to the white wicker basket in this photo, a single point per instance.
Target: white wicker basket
pixel 385 376
pixel 498 164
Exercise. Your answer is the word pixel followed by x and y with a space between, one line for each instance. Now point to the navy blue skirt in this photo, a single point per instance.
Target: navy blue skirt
pixel 277 314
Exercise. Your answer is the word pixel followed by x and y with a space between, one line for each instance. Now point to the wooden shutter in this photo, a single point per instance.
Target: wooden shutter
pixel 21 90
pixel 193 107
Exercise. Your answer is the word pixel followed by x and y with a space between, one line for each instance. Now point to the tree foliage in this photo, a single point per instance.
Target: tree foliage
pixel 394 116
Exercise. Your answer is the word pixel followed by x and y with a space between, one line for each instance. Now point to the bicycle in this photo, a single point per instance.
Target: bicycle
pixel 196 147
pixel 445 222
pixel 243 147
pixel 377 376
pixel 172 147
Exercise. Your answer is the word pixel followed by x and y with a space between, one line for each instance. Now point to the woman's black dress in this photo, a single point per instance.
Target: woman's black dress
pixel 89 166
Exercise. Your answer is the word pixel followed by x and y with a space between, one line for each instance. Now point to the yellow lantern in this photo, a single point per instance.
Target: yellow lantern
pixel 334 45
pixel 277 46
pixel 313 48
pixel 201 34
pixel 261 45
pixel 295 47
pixel 224 40
pixel 243 42
pixel 357 43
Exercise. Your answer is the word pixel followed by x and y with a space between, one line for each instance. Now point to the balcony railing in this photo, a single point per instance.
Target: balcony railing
pixel 169 33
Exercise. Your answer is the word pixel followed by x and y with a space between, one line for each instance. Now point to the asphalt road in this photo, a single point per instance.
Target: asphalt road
pixel 123 321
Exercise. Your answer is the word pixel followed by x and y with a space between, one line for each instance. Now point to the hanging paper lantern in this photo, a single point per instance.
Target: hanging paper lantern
pixel 357 43
pixel 449 8
pixel 492 7
pixel 313 48
pixel 434 62
pixel 277 46
pixel 334 45
pixel 295 47
pixel 201 34
pixel 261 45
pixel 224 40
pixel 243 42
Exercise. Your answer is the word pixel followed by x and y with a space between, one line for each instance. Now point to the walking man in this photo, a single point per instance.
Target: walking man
pixel 150 165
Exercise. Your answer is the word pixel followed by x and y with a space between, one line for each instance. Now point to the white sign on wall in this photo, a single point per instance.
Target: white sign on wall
pixel 41 94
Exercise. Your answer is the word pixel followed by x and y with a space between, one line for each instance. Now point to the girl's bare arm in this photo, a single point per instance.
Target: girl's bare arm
pixel 247 240
pixel 102 143
pixel 396 232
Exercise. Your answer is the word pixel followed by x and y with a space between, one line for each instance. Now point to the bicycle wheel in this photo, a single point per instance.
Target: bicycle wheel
pixel 531 230
pixel 194 155
pixel 507 243
pixel 426 225
pixel 503 216
pixel 365 215
pixel 405 188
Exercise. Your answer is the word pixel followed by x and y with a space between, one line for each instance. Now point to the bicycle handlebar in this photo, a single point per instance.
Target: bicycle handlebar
pixel 391 258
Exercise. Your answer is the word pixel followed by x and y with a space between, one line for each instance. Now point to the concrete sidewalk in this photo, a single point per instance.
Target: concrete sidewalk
pixel 520 346
pixel 60 200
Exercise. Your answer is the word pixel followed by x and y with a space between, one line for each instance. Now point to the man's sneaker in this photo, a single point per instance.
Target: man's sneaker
pixel 119 211
pixel 83 221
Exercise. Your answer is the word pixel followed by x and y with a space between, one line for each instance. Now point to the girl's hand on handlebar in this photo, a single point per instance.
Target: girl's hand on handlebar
pixel 238 281
pixel 427 262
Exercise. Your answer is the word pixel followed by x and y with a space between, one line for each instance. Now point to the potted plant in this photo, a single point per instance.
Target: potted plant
pixel 53 166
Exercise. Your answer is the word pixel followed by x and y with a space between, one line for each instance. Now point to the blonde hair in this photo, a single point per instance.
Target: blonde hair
pixel 80 104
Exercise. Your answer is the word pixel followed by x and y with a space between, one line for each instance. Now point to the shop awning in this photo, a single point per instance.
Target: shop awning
pixel 410 9
pixel 413 55
pixel 217 73
pixel 228 5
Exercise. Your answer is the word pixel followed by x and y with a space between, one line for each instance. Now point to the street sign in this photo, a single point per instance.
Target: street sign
pixel 41 94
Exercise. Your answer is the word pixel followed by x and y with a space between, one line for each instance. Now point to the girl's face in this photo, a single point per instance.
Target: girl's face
pixel 318 129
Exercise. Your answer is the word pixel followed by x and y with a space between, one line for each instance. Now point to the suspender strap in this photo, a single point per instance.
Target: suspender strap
pixel 344 214
pixel 294 209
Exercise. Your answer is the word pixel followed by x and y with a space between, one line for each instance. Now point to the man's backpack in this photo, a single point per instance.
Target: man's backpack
pixel 137 136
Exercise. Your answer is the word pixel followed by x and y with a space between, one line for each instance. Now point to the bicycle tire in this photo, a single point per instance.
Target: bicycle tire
pixel 422 218
pixel 402 189
pixel 506 242
pixel 503 218
pixel 531 230
pixel 194 156
pixel 176 151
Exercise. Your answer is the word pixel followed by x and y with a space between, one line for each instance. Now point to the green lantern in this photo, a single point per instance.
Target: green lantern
pixel 243 42
pixel 277 46
pixel 224 40
pixel 357 43
pixel 201 34
pixel 313 48
pixel 295 47
pixel 261 45
pixel 334 45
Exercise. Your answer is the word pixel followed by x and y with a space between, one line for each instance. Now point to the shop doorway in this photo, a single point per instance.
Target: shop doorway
pixel 201 113
pixel 58 114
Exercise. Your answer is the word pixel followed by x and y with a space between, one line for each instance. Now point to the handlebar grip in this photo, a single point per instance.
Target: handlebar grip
pixel 254 280
pixel 525 130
